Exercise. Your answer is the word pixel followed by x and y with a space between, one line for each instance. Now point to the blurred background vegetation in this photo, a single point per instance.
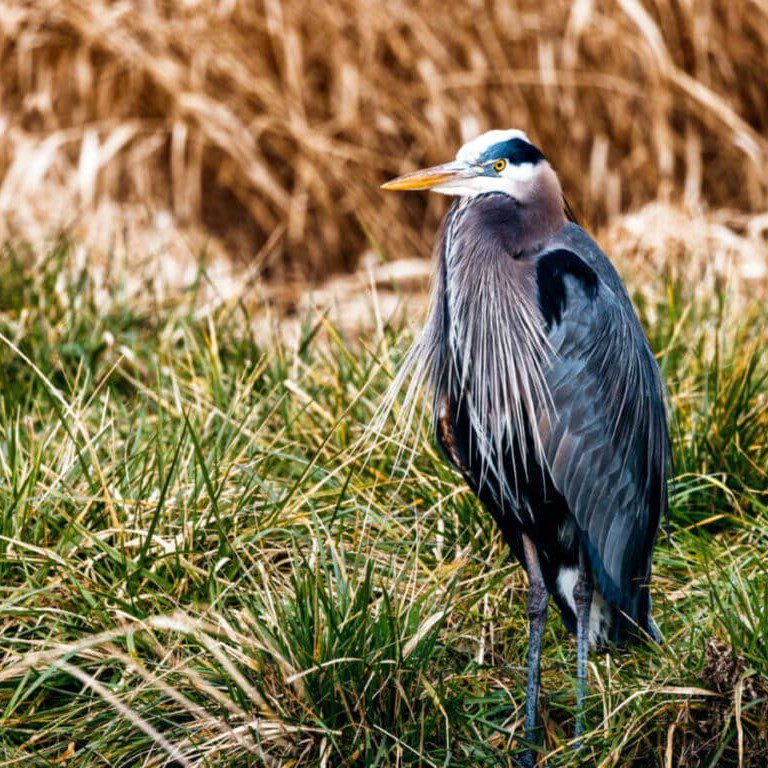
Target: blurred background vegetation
pixel 205 558
pixel 245 119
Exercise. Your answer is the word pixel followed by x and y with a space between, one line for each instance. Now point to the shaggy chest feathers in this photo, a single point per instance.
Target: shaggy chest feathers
pixel 495 346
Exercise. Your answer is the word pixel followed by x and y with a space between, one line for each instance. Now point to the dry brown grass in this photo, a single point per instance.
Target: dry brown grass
pixel 258 120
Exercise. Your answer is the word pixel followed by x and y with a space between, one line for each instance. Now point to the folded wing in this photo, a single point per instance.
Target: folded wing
pixel 604 431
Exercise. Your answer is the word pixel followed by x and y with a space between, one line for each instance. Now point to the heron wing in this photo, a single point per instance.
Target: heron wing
pixel 604 433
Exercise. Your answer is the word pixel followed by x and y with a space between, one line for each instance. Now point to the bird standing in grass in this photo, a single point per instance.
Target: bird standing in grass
pixel 546 395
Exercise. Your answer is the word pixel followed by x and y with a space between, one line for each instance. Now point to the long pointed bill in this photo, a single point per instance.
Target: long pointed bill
pixel 431 177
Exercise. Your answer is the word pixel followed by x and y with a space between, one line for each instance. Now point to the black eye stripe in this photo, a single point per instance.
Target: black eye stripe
pixel 517 151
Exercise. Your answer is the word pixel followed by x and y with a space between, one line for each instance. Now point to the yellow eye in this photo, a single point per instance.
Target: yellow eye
pixel 499 165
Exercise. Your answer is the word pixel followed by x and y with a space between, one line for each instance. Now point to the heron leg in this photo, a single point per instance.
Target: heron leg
pixel 582 595
pixel 538 599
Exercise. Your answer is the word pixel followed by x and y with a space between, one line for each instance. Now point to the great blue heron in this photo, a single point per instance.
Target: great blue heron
pixel 546 395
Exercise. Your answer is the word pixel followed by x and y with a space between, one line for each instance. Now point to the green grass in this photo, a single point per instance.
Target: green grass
pixel 202 564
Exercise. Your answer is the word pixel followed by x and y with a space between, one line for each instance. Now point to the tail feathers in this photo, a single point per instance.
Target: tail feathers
pixel 638 628
pixel 654 631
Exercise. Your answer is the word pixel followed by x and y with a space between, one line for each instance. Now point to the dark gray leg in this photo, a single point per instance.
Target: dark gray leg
pixel 582 594
pixel 538 598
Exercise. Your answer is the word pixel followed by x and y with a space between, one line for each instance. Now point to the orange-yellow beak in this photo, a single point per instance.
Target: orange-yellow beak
pixel 431 177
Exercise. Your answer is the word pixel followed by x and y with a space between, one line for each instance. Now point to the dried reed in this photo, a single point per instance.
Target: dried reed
pixel 246 118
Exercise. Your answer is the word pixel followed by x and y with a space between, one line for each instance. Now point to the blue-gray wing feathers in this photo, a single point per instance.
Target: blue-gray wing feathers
pixel 605 436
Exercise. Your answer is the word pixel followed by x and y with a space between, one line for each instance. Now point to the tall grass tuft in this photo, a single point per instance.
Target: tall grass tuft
pixel 200 567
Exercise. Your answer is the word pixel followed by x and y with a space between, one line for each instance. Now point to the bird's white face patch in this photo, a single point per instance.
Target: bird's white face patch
pixel 514 180
pixel 477 185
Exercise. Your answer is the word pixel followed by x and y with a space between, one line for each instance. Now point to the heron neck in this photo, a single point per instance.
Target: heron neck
pixel 497 220
pixel 542 213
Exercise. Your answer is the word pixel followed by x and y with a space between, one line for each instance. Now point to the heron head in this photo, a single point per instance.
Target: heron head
pixel 496 161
